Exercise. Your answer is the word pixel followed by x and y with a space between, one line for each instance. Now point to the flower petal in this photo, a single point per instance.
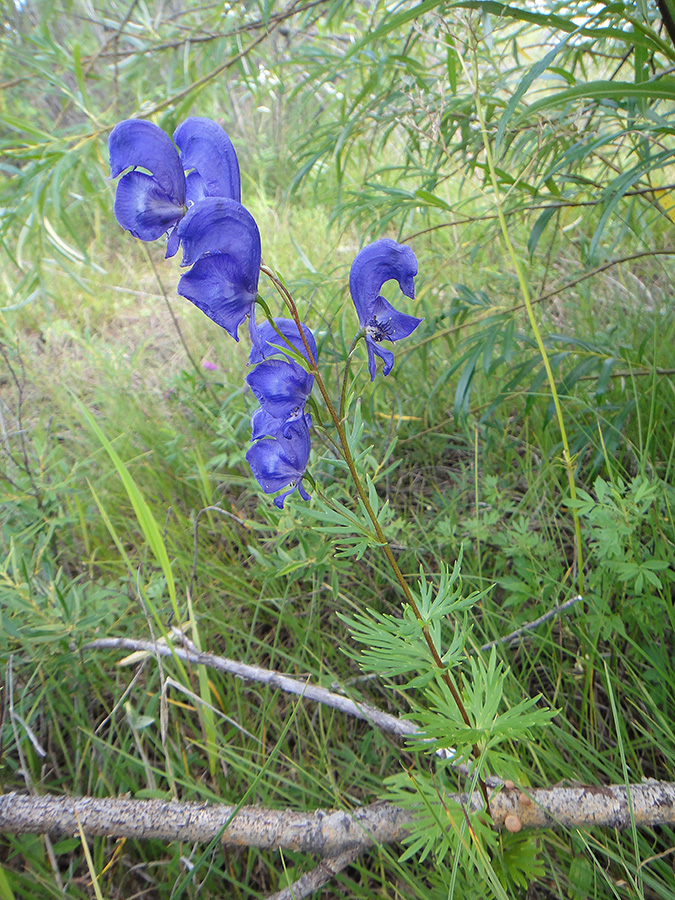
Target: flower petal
pixel 395 325
pixel 264 425
pixel 282 387
pixel 375 264
pixel 172 243
pixel 279 501
pixel 269 464
pixel 386 355
pixel 217 286
pixel 143 208
pixel 195 189
pixel 220 225
pixel 206 148
pixel 136 142
pixel 289 329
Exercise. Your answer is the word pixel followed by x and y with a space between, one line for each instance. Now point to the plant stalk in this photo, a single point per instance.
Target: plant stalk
pixel 363 496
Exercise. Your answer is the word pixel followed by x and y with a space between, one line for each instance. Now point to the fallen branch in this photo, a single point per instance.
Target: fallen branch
pixel 311 881
pixel 514 635
pixel 328 833
pixel 188 652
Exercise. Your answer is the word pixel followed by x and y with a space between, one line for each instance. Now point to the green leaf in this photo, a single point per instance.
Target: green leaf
pixel 605 375
pixel 144 516
pixel 463 389
pixel 431 200
pixel 538 228
pixel 523 86
pixel 6 892
pixel 618 91
pixel 616 190
pixel 452 60
pixel 395 646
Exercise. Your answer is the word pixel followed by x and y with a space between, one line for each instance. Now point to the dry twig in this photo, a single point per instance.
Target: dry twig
pixel 189 653
pixel 534 624
pixel 311 881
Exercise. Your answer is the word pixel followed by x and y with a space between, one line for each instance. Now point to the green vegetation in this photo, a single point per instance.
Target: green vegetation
pixel 525 153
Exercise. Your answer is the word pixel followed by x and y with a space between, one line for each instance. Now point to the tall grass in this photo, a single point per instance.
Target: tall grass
pixel 352 121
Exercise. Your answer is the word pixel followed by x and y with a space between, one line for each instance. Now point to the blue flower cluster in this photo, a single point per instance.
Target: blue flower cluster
pixel 280 426
pixel 189 189
pixel 193 195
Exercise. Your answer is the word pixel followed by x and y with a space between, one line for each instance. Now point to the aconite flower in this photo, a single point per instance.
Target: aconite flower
pixel 282 388
pixel 221 242
pixel 270 339
pixel 150 203
pixel 373 266
pixel 209 160
pixel 280 462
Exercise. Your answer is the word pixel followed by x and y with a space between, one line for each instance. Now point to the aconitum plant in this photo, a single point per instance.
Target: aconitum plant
pixel 188 190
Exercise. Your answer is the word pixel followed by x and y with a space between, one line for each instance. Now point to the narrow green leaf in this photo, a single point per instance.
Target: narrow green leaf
pixel 538 229
pixel 432 200
pixel 463 390
pixel 6 892
pixel 79 73
pixel 618 188
pixel 452 60
pixel 605 374
pixel 146 521
pixel 523 86
pixel 618 91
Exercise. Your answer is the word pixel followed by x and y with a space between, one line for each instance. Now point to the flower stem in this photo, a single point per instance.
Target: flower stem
pixel 270 318
pixel 338 421
pixel 345 374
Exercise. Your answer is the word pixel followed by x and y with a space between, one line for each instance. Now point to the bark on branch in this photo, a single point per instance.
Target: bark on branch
pixel 188 652
pixel 327 833
pixel 246 672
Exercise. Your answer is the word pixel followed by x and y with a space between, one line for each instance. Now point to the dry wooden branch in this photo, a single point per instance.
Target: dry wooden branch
pixel 328 833
pixel 311 881
pixel 187 652
pixel 323 832
pixel 519 632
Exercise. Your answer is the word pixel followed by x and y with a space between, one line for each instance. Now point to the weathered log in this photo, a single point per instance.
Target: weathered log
pixel 328 833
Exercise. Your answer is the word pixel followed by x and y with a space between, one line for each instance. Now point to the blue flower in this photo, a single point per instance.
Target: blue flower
pixel 281 461
pixel 282 388
pixel 222 239
pixel 264 425
pixel 375 264
pixel 268 336
pixel 209 160
pixel 147 205
pixel 150 205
